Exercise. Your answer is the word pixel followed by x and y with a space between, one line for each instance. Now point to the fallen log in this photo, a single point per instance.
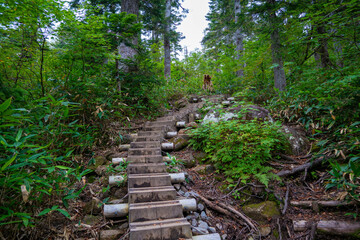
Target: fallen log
pixel 286 173
pixel 341 228
pixel 309 204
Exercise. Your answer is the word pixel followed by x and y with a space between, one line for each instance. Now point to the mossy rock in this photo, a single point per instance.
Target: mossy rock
pixel 179 142
pixel 96 162
pixel 199 156
pixel 91 219
pixel 262 212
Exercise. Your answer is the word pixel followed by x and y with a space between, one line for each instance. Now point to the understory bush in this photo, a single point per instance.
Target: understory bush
pixel 240 148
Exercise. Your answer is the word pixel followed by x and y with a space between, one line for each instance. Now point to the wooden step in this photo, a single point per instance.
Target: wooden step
pixel 169 229
pixel 138 168
pixel 160 124
pixel 149 133
pixel 148 139
pixel 145 159
pixel 151 194
pixel 149 180
pixel 144 151
pixel 140 212
pixel 153 144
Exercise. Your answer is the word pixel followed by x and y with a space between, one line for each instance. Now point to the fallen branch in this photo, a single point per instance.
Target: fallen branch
pixel 286 173
pixel 309 204
pixel 229 212
pixel 341 228
pixel 292 160
pixel 237 213
pixel 286 201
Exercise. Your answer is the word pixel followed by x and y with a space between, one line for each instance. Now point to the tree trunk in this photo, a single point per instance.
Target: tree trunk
pixel 167 49
pixel 323 50
pixel 125 50
pixel 238 39
pixel 279 73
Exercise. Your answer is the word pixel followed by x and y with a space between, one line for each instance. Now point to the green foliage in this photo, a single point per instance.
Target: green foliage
pixel 32 171
pixel 240 148
pixel 173 163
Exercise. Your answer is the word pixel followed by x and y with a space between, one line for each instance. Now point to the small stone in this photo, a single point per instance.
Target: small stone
pixel 91 220
pixel 265 231
pixel 203 224
pixel 124 225
pixel 181 193
pixel 177 186
pixel 187 194
pixel 111 234
pixel 200 207
pixel 196 215
pixel 212 229
pixel 191 216
pixel 203 215
pixel 194 222
pixel 199 231
pixel 224 236
pixel 219 226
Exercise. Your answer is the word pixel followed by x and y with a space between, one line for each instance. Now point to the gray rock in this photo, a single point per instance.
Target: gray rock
pixel 124 225
pixel 177 186
pixel 212 229
pixel 219 226
pixel 200 207
pixel 262 212
pixel 187 194
pixel 203 215
pixel 111 234
pixel 191 216
pixel 196 215
pixel 203 224
pixel 181 193
pixel 194 222
pixel 296 136
pixel 224 236
pixel 199 231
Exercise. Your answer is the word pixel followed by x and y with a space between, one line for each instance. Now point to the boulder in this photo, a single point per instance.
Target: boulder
pixel 199 156
pixel 91 219
pixel 180 142
pixel 204 169
pixel 263 211
pixel 248 112
pixel 189 163
pixel 296 136
pixel 180 103
pixel 96 162
pixel 102 170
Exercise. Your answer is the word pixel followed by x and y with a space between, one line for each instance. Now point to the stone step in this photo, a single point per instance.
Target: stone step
pixel 144 151
pixel 153 144
pixel 159 123
pixel 145 158
pixel 148 139
pixel 138 168
pixel 140 212
pixel 149 180
pixel 151 194
pixel 169 229
pixel 149 133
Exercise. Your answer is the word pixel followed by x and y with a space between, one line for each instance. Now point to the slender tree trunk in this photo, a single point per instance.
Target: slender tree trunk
pixel 42 49
pixel 167 49
pixel 125 50
pixel 238 39
pixel 279 73
pixel 323 50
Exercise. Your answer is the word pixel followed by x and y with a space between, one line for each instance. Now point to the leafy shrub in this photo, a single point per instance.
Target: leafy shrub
pixel 240 148
pixel 36 145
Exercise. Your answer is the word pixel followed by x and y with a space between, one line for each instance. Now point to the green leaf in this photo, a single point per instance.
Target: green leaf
pixel 45 211
pixel 5 105
pixel 8 162
pixel 18 136
pixel 64 212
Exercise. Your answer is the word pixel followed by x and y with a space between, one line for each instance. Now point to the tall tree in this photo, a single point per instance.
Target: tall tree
pixel 167 47
pixel 127 49
pixel 238 38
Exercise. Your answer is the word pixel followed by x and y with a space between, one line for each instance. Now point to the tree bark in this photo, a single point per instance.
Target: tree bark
pixel 126 51
pixel 323 49
pixel 167 49
pixel 238 39
pixel 279 73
